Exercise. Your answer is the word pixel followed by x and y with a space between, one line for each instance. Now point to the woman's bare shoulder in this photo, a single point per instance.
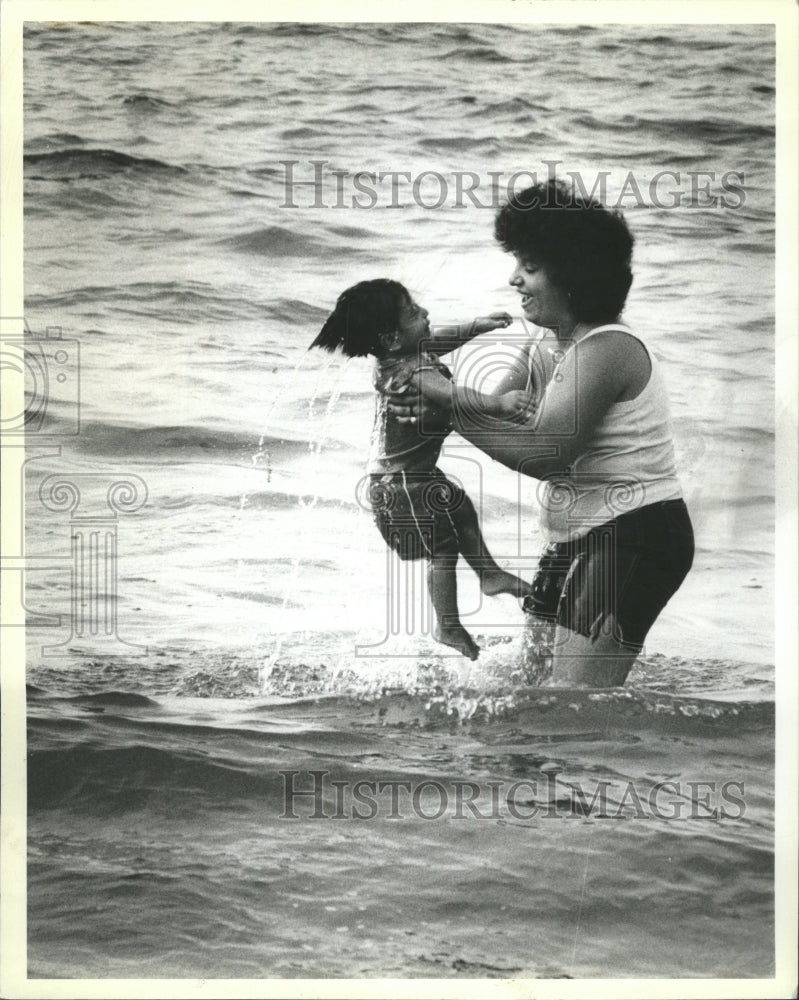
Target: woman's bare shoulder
pixel 622 353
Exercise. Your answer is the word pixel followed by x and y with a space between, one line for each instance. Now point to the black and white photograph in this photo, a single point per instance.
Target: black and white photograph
pixel 399 518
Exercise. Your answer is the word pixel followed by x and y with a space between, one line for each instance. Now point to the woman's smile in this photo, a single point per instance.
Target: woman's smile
pixel 543 302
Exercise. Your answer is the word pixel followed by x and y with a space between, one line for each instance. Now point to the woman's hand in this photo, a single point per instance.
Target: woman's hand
pixel 425 397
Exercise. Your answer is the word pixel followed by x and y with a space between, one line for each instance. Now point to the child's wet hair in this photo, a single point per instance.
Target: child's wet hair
pixel 363 315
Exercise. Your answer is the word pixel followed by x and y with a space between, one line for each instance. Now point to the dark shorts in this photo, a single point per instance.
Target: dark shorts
pixel 627 568
pixel 413 511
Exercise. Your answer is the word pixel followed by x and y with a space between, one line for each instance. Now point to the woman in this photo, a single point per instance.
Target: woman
pixel 619 538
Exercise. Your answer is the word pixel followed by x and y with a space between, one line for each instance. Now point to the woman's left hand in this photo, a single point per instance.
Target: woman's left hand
pixel 426 396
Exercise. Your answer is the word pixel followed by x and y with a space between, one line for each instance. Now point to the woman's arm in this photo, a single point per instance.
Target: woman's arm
pixel 592 377
pixel 530 370
pixel 517 374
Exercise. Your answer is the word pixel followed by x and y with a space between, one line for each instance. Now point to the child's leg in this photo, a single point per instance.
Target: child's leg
pixel 493 580
pixel 442 584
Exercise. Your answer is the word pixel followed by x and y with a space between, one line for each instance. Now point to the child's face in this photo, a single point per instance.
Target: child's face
pixel 414 325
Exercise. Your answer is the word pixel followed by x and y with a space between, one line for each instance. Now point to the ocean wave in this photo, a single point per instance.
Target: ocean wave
pixel 538 711
pixel 246 193
pixel 409 88
pixel 45 143
pixel 172 442
pixel 305 681
pixel 456 143
pixel 188 300
pixel 764 249
pixel 743 436
pixel 121 699
pixel 275 241
pixel 93 202
pixel 91 164
pixel 721 131
pixel 302 665
pixel 531 711
pixel 303 132
pixel 274 500
pixel 293 29
pixel 453 33
pixel 351 232
pixel 145 102
pixel 102 438
pixel 119 753
pixel 518 108
pixel 700 42
pixel 480 53
pixel 125 778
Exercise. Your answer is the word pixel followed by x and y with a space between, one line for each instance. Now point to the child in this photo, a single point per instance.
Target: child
pixel 419 511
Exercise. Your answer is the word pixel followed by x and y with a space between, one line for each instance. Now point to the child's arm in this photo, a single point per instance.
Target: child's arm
pixel 517 405
pixel 446 339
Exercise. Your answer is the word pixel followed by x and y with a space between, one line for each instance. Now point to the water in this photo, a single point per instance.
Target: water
pixel 155 236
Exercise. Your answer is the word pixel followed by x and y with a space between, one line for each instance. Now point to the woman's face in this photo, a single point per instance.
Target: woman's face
pixel 543 302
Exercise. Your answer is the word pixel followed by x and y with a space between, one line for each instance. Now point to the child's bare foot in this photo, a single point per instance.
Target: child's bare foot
pixel 497 581
pixel 458 637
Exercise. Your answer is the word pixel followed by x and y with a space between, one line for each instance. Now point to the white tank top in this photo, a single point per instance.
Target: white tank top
pixel 629 462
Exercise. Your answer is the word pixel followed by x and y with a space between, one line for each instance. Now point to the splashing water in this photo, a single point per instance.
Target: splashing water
pixel 318 438
pixel 260 460
pixel 419 666
pixel 321 665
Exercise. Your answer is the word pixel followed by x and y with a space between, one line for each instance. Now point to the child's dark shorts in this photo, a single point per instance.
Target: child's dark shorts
pixel 414 512
pixel 627 568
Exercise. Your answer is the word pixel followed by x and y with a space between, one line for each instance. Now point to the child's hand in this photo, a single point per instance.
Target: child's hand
pixel 494 321
pixel 516 405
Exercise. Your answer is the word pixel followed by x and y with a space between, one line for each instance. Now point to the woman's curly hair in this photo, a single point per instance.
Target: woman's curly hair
pixel 585 248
